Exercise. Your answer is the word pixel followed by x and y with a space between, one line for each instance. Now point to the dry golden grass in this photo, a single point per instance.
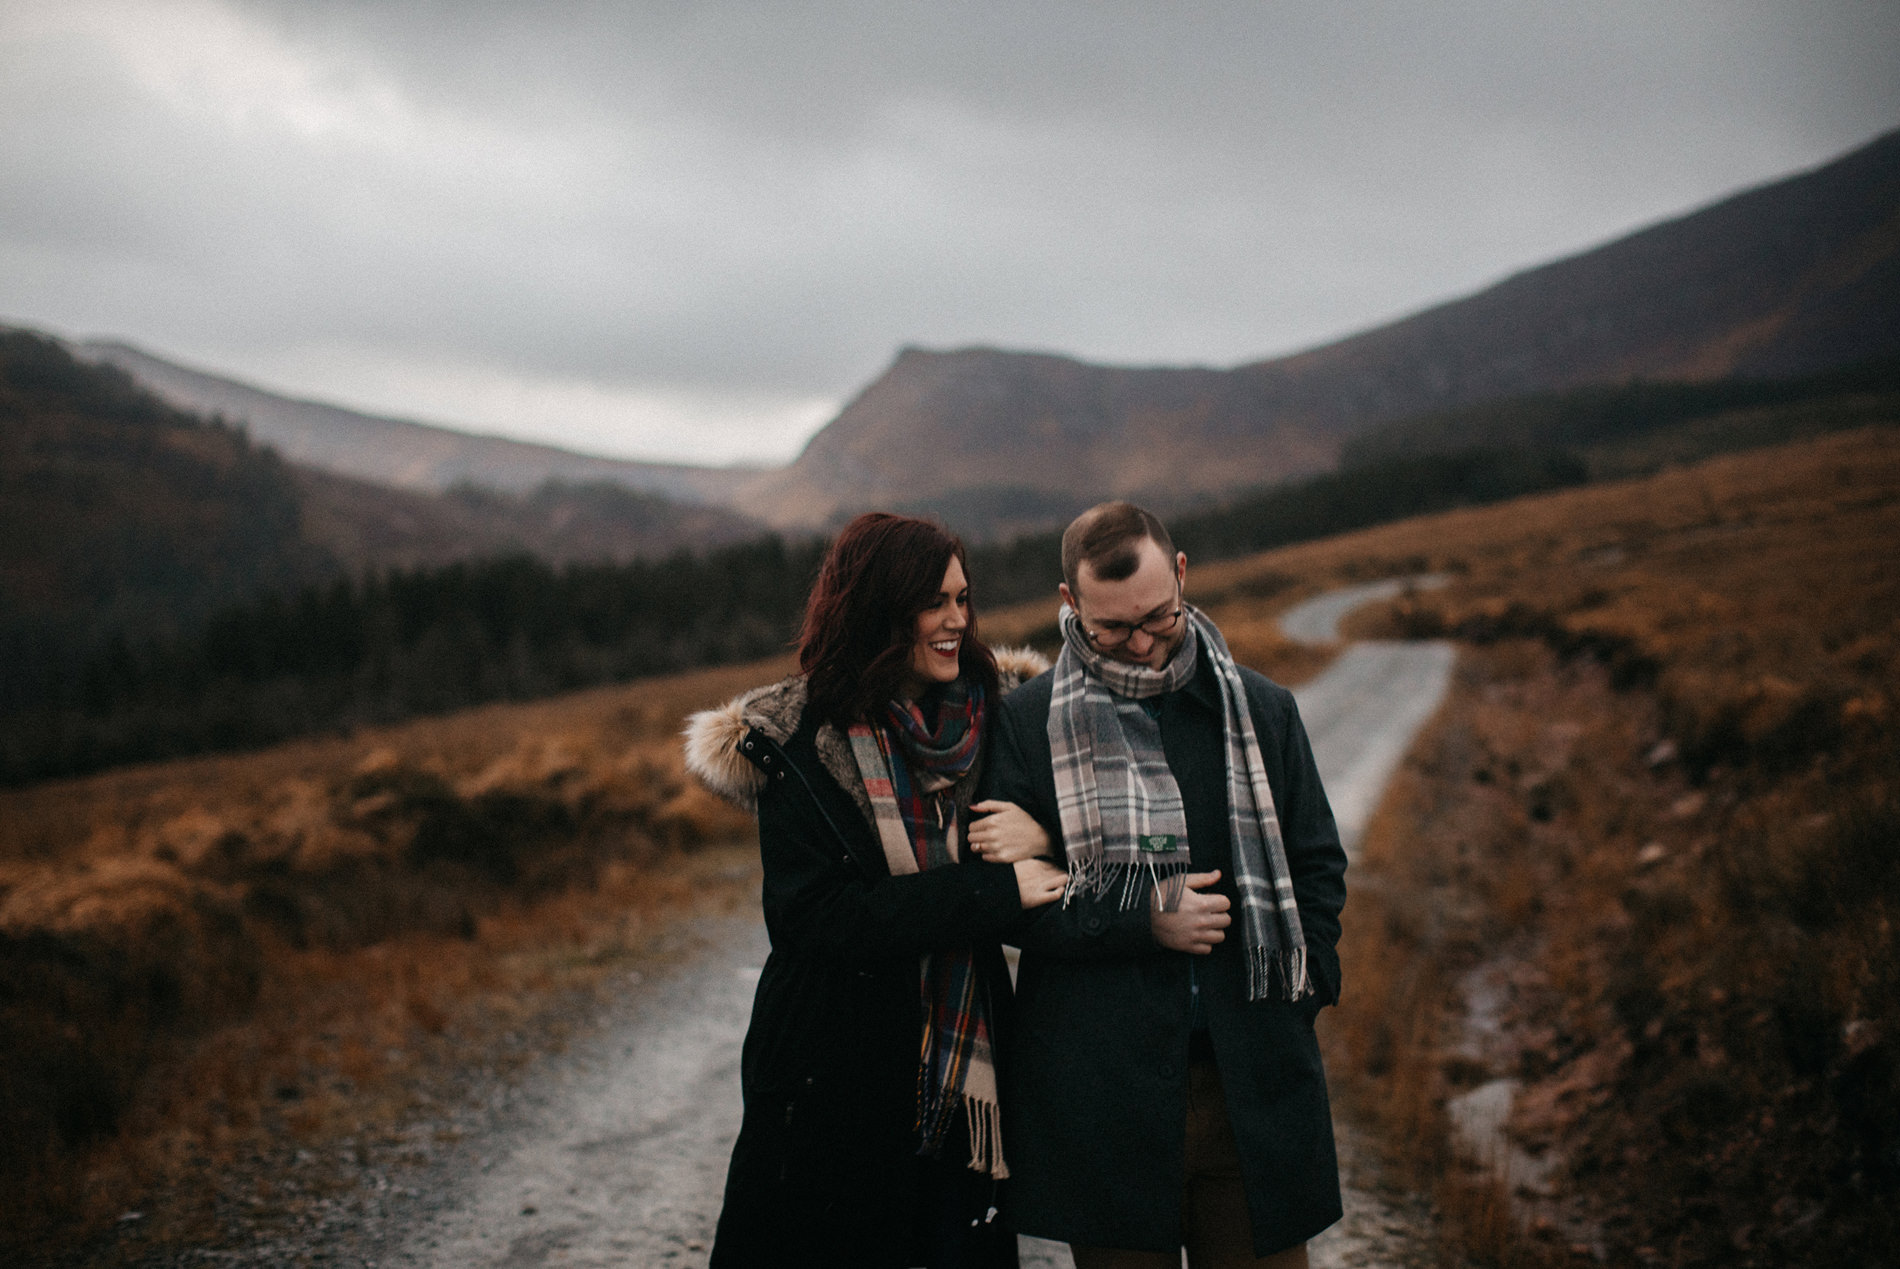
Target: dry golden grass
pixel 1665 796
pixel 129 810
pixel 212 954
pixel 1460 872
pixel 183 943
pixel 352 1045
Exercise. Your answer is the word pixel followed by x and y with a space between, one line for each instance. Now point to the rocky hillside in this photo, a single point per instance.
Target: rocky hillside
pixel 1012 439
pixel 1792 278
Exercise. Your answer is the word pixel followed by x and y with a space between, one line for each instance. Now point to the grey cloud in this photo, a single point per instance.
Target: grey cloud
pixel 770 198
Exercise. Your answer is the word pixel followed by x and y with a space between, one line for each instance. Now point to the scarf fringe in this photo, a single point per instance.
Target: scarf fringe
pixel 985 1119
pixel 1129 884
pixel 986 1137
pixel 1278 975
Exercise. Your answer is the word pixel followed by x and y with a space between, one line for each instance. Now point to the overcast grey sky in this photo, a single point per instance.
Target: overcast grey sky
pixel 692 229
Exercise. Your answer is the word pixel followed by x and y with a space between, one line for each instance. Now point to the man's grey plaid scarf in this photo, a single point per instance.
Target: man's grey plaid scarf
pixel 1123 824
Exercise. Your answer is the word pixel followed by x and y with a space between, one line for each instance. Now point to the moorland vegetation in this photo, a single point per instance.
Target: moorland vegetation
pixel 150 667
pixel 1655 840
pixel 205 960
pixel 1659 811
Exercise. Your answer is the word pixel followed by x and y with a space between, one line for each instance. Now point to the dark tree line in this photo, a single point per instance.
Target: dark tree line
pixel 400 644
pixel 395 645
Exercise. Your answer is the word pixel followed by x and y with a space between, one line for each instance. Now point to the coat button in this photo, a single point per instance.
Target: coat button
pixel 1166 1070
pixel 1092 924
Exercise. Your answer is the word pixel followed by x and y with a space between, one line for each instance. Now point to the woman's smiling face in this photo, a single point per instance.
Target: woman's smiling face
pixel 934 655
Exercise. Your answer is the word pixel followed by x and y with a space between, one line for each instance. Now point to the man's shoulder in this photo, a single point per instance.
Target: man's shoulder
pixel 1268 698
pixel 1260 686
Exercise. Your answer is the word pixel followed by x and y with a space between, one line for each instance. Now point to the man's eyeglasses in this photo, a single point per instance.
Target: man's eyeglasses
pixel 1113 634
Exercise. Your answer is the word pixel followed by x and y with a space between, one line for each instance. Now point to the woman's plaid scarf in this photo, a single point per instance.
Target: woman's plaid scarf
pixel 1124 827
pixel 910 772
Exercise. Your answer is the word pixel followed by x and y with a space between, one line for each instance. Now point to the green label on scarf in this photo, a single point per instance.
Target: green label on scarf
pixel 1156 843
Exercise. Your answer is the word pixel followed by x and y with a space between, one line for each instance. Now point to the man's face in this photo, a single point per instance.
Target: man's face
pixel 1148 594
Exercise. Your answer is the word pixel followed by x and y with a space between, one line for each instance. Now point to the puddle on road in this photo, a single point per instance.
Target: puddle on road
pixel 1480 1117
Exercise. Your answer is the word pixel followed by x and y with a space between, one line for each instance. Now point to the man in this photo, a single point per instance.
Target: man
pixel 1164 1088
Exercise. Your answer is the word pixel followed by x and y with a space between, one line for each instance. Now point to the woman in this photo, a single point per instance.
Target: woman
pixel 870 1134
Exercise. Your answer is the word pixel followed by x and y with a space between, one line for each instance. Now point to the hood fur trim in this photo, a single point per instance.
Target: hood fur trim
pixel 713 735
pixel 1016 666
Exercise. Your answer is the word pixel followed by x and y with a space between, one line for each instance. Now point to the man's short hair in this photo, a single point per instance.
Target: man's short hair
pixel 1108 537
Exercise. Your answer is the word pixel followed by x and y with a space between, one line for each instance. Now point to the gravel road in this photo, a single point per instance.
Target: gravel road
pixel 614 1152
pixel 622 1157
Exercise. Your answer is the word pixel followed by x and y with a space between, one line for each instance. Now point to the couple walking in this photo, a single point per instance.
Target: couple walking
pixel 1144 822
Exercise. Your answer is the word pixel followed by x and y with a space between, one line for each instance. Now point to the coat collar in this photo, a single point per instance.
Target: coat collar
pixel 1203 688
pixel 713 736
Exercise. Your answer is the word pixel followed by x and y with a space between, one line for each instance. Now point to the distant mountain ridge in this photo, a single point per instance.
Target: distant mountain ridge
pixel 1795 277
pixel 1790 278
pixel 120 511
pixel 937 423
pixel 400 452
pixel 365 526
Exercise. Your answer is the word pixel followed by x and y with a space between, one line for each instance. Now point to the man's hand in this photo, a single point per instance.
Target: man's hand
pixel 1198 923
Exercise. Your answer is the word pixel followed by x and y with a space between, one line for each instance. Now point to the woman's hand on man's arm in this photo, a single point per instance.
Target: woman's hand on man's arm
pixel 1006 834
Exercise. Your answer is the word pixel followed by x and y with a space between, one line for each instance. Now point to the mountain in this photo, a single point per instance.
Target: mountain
pixel 119 511
pixel 399 452
pixel 1789 279
pixel 1706 417
pixel 1792 278
pixel 1037 435
pixel 364 525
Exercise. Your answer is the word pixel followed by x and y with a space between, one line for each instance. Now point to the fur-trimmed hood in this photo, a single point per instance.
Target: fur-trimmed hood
pixel 713 735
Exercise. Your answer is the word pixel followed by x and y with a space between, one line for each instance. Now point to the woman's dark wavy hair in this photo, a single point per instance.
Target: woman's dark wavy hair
pixel 882 571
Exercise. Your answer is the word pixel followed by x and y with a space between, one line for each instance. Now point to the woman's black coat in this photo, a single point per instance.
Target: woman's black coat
pixel 824 1171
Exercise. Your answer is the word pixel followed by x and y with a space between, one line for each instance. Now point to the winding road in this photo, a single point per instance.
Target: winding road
pixel 1363 713
pixel 618 1153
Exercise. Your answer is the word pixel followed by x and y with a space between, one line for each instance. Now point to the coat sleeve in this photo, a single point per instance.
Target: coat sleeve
pixel 1082 926
pixel 1314 855
pixel 818 900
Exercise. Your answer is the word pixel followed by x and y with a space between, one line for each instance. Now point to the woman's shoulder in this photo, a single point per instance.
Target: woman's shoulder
pixel 1016 666
pixel 714 737
pixel 1027 692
